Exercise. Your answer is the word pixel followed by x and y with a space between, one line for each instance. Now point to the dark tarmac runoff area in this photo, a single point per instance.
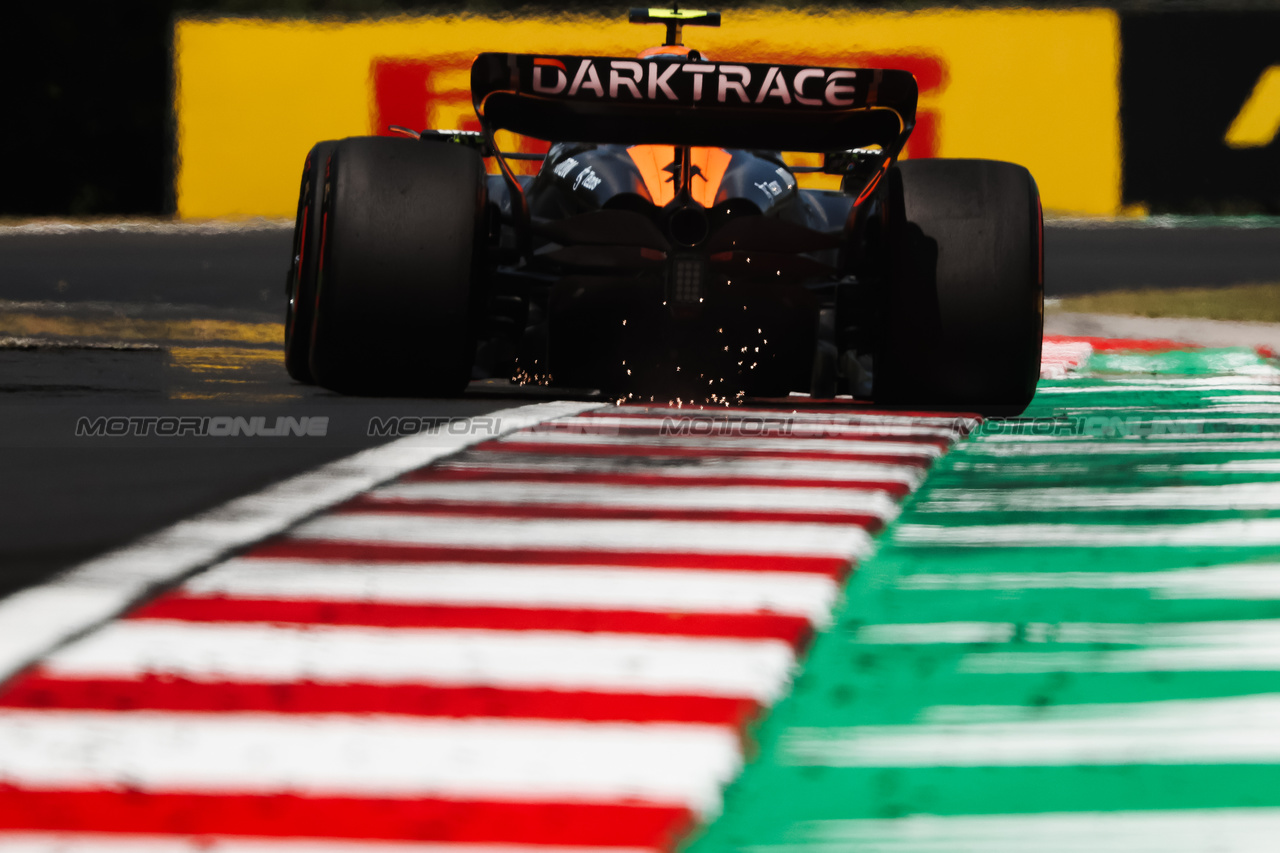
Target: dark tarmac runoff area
pixel 151 321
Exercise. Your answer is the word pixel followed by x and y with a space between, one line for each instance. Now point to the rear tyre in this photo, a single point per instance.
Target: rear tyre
pixel 304 265
pixel 402 268
pixel 962 310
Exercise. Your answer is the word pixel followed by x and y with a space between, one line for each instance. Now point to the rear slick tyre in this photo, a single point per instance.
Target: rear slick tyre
pixel 402 265
pixel 304 265
pixel 962 313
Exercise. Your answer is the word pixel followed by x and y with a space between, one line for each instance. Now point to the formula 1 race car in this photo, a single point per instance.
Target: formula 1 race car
pixel 664 250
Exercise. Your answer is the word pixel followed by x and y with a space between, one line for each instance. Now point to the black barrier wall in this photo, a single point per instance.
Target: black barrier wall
pixel 1185 77
pixel 86 108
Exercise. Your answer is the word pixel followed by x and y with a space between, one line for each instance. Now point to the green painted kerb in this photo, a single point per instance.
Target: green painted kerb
pixel 1069 640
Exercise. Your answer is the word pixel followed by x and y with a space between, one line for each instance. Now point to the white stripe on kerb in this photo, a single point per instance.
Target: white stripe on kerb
pixel 762 538
pixel 1199 731
pixel 757 669
pixel 1167 831
pixel 1232 496
pixel 585 587
pixel 36 619
pixel 1259 581
pixel 1234 533
pixel 690 468
pixel 115 842
pixel 836 447
pixel 345 755
pixel 878 503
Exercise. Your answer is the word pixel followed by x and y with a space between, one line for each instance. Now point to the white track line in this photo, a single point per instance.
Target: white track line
pixel 1263 634
pixel 1241 399
pixel 37 619
pixel 1164 831
pixel 694 537
pixel 255 652
pixel 1155 425
pixel 877 503
pixel 1236 383
pixel 1132 445
pixel 1235 466
pixel 927 633
pixel 310 755
pixel 119 842
pixel 1260 581
pixel 1226 534
pixel 479 584
pixel 1195 731
pixel 1231 496
pixel 1252 645
pixel 1208 411
pixel 1263 378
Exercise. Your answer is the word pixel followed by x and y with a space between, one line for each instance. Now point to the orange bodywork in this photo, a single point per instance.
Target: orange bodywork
pixel 665 50
pixel 653 162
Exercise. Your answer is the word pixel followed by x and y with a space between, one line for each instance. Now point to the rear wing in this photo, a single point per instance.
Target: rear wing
pixel 727 105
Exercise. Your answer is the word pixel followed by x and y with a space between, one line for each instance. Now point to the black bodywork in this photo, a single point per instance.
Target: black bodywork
pixel 592 282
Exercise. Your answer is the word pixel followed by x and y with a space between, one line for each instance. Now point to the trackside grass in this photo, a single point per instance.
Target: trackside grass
pixel 1254 302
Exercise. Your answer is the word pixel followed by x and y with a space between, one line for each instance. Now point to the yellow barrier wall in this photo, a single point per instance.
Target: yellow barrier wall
pixel 1038 88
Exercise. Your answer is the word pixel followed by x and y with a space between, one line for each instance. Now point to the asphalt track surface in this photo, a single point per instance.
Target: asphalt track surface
pixel 178 321
pixel 129 323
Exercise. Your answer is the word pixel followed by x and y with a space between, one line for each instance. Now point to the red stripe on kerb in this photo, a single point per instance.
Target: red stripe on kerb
pixel 407 506
pixel 282 815
pixel 44 691
pixel 525 475
pixel 922 459
pixel 763 626
pixel 362 552
pixel 1123 344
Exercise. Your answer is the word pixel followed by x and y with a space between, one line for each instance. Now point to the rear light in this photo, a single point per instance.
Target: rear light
pixel 687 279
